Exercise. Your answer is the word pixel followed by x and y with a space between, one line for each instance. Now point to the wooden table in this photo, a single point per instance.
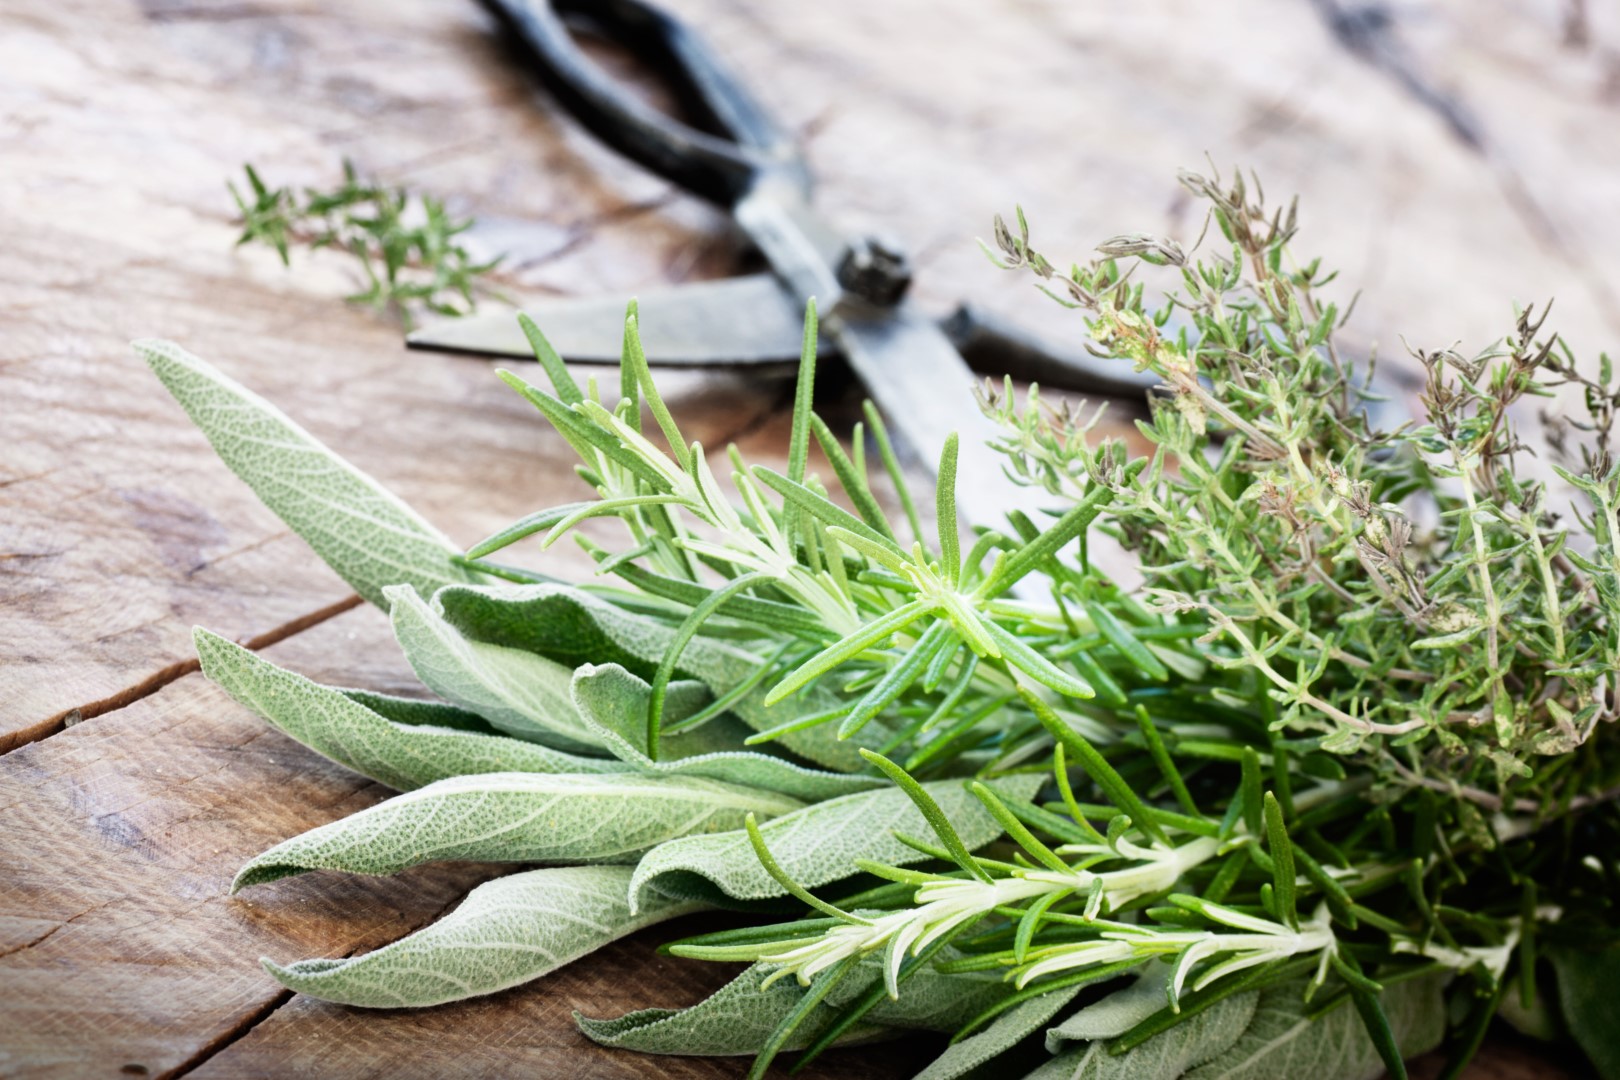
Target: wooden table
pixel 1450 162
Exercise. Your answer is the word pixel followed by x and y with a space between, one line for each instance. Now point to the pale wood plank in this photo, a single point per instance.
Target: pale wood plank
pixel 118 530
pixel 121 837
pixel 528 1030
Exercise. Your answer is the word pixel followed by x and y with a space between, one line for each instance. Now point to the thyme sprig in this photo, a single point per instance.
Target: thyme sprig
pixel 406 247
pixel 1386 581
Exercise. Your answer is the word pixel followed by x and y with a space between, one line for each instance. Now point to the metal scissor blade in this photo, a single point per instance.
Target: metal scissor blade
pixel 925 390
pixel 754 322
pixel 749 321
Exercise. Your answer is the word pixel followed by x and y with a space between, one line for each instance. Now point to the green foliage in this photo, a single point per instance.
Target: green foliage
pixel 1007 1031
pixel 739 1018
pixel 362 531
pixel 1588 987
pixel 523 695
pixel 562 818
pixel 508 931
pixel 1209 1034
pixel 404 756
pixel 406 247
pixel 1385 581
pixel 817 845
pixel 1284 1038
pixel 1313 801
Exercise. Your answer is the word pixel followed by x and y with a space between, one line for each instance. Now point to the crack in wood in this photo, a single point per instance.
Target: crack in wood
pixel 176 13
pixel 245 1026
pixel 30 944
pixel 25 479
pixel 1369 32
pixel 240 1030
pixel 156 681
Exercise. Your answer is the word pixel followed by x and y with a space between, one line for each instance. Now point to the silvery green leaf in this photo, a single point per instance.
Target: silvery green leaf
pixel 929 1000
pixel 1588 986
pixel 819 843
pixel 1168 1054
pixel 614 702
pixel 739 1017
pixel 362 531
pixel 574 627
pixel 736 1019
pixel 518 817
pixel 1280 1041
pixel 418 712
pixel 522 694
pixel 332 723
pixel 1117 1013
pixel 505 932
pixel 1002 1033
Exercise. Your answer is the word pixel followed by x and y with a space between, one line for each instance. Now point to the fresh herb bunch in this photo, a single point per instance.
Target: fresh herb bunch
pixel 1254 818
pixel 406 247
pixel 1405 582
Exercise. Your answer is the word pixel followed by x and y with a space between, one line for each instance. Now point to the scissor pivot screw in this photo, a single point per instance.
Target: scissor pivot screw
pixel 875 270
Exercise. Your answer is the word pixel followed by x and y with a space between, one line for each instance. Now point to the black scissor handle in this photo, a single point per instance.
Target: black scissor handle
pixel 721 169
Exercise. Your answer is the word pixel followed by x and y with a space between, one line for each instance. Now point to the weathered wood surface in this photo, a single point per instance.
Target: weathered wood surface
pixel 120 948
pixel 1453 159
pixel 120 530
pixel 124 950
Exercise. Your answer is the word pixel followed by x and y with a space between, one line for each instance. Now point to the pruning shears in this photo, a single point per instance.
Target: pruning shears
pixel 912 367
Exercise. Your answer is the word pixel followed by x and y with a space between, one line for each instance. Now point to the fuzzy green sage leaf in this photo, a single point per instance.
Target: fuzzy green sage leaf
pixel 358 528
pixel 403 756
pixel 518 817
pixel 820 843
pixel 507 931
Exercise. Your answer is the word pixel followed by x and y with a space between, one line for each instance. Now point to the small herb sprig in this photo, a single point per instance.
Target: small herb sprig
pixel 406 246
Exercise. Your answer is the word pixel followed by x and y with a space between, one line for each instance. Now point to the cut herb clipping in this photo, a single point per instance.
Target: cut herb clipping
pixel 407 248
pixel 1332 789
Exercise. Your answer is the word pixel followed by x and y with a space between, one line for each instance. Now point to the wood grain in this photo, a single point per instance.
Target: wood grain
pixel 121 837
pixel 1451 156
pixel 120 948
pixel 118 528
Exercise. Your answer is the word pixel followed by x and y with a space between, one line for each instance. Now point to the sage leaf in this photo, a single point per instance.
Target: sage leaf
pixel 518 692
pixel 929 1000
pixel 1588 987
pixel 420 712
pixel 335 725
pixel 572 627
pixel 819 843
pixel 736 1019
pixel 518 817
pixel 361 530
pixel 1117 1013
pixel 507 931
pixel 1281 1041
pixel 1003 1033
pixel 1168 1054
pixel 739 1017
pixel 614 702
